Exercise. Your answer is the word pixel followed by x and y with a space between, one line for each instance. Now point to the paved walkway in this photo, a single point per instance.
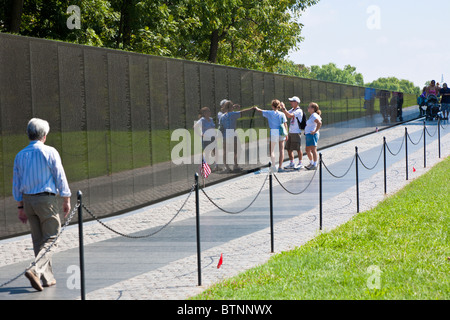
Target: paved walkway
pixel 164 266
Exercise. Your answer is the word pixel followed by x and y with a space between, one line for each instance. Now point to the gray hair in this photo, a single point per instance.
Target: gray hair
pixel 37 129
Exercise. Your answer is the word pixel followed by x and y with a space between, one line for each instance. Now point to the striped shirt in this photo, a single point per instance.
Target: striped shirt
pixel 38 168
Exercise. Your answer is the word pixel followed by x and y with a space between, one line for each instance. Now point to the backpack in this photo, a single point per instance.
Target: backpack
pixel 302 124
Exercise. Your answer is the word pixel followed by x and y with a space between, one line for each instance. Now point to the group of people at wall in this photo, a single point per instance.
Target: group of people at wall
pixel 435 90
pixel 281 134
pixel 391 107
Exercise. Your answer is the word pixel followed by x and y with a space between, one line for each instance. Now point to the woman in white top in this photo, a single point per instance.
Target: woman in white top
pixel 313 126
pixel 278 131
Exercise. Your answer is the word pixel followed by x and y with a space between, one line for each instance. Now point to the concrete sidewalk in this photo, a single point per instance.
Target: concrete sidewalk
pixel 164 266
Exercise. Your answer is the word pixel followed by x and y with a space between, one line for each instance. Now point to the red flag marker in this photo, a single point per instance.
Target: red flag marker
pixel 414 169
pixel 220 261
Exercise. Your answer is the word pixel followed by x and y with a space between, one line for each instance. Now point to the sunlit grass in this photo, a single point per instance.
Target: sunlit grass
pixel 406 238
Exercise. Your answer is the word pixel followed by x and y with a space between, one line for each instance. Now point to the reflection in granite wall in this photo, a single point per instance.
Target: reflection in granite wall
pixel 112 114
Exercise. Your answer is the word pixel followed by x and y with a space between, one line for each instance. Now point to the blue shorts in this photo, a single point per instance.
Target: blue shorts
pixel 312 140
pixel 445 106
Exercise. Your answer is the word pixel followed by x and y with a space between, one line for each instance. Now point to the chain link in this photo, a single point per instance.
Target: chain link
pixel 144 236
pixel 296 193
pixel 240 211
pixel 401 147
pixel 379 157
pixel 420 139
pixel 339 177
pixel 428 132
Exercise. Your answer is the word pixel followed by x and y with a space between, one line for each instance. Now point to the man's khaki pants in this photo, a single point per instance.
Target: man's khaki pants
pixel 45 225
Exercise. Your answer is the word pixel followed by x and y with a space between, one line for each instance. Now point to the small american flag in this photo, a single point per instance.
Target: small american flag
pixel 205 170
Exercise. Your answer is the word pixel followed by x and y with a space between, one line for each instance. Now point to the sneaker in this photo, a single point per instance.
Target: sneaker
pixel 280 170
pixel 311 167
pixel 290 166
pixel 299 166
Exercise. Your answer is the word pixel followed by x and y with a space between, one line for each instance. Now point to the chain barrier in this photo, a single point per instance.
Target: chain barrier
pixel 420 139
pixel 428 132
pixel 401 147
pixel 346 172
pixel 356 158
pixel 144 236
pixel 72 214
pixel 379 157
pixel 240 211
pixel 296 193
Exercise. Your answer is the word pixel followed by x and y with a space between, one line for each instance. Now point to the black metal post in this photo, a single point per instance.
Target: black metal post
pixel 81 244
pixel 271 209
pixel 424 144
pixel 385 169
pixel 357 180
pixel 439 137
pixel 197 220
pixel 406 152
pixel 320 191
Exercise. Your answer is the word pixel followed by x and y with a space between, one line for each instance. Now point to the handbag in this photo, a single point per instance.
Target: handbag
pixel 283 131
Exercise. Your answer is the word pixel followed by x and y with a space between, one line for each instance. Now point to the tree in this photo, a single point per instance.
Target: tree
pixel 256 34
pixel 11 15
pixel 288 67
pixel 394 84
pixel 330 72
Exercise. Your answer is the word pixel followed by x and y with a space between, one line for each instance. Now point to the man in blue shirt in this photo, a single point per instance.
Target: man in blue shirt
pixel 38 177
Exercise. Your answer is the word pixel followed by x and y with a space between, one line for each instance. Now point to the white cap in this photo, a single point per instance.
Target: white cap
pixel 296 99
pixel 223 102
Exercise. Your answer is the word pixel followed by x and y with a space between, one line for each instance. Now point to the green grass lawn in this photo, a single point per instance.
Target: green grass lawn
pixel 406 238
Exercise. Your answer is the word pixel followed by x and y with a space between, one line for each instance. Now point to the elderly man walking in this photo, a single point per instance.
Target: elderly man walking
pixel 38 177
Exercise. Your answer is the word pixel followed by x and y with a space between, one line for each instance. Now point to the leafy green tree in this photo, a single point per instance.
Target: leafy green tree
pixel 288 67
pixel 255 34
pixel 395 84
pixel 330 72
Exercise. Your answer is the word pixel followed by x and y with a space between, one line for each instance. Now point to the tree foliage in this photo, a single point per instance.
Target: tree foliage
pixel 329 72
pixel 348 75
pixel 394 84
pixel 256 34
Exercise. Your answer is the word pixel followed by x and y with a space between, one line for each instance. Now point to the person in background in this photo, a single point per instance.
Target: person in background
pixel 384 96
pixel 400 102
pixel 432 89
pixel 38 177
pixel 278 132
pixel 294 141
pixel 369 100
pixel 312 133
pixel 445 101
pixel 202 125
pixel 422 101
pixel 227 126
